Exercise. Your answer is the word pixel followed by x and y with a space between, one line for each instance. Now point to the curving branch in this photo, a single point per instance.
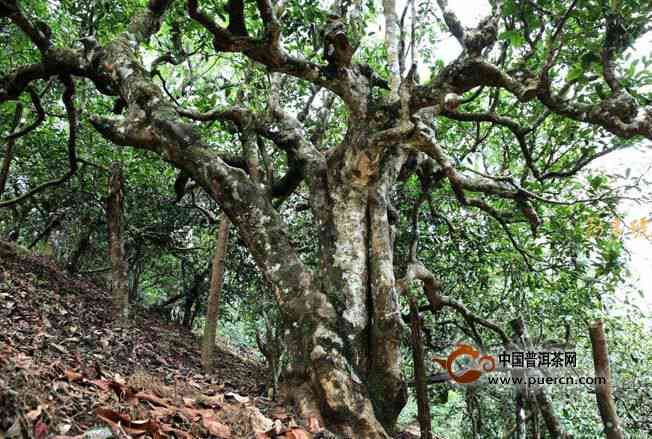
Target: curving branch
pixel 68 101
pixel 432 288
pixel 40 116
pixel 38 32
pixel 268 51
pixel 474 40
pixel 424 140
pixel 279 127
pixel 617 113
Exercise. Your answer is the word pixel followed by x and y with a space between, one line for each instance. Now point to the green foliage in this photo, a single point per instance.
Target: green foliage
pixel 573 270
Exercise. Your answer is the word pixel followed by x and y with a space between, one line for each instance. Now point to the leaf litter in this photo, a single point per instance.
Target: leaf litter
pixel 67 372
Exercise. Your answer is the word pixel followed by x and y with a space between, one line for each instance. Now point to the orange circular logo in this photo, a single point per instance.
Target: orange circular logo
pixel 480 364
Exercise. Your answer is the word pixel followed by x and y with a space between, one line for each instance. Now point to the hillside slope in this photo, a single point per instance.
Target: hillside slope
pixel 66 371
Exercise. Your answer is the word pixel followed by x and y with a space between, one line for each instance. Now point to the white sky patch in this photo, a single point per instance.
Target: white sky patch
pixel 639 161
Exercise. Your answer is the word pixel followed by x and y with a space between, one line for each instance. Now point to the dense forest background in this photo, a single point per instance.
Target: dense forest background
pixel 324 168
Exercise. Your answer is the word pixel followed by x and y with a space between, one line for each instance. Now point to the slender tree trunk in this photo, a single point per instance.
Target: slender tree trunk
pixel 19 216
pixel 520 413
pixel 552 422
pixel 554 426
pixel 421 385
pixel 83 243
pixel 603 391
pixel 9 151
pixel 115 222
pixel 45 234
pixel 272 347
pixel 191 298
pixel 213 308
pixel 170 301
pixel 473 408
pixel 135 281
pixel 392 46
pixel 534 423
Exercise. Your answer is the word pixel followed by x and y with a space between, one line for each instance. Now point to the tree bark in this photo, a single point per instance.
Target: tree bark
pixel 554 426
pixel 475 414
pixel 344 315
pixel 520 414
pixel 272 347
pixel 534 420
pixel 392 46
pixel 115 222
pixel 421 386
pixel 45 234
pixel 213 307
pixel 192 295
pixel 603 391
pixel 348 329
pixel 9 151
pixel 137 271
pixel 83 243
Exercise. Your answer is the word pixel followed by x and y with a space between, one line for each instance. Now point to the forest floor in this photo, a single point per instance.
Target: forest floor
pixel 67 371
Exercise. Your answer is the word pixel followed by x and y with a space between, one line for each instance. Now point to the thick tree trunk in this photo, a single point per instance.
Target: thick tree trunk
pixel 115 222
pixel 344 316
pixel 603 391
pixel 353 361
pixel 359 281
pixel 213 307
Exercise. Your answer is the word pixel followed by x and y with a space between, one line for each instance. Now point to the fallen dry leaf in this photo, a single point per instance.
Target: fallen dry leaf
pixel 101 384
pixel 166 428
pixel 73 376
pixel 278 412
pixel 259 422
pixel 22 361
pixel 134 428
pixel 64 428
pixel 34 414
pixel 211 401
pixel 153 399
pixel 216 428
pixel 40 430
pixel 315 424
pixel 236 397
pixel 297 433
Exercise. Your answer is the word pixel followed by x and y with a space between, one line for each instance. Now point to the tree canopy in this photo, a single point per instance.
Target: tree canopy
pixel 362 171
